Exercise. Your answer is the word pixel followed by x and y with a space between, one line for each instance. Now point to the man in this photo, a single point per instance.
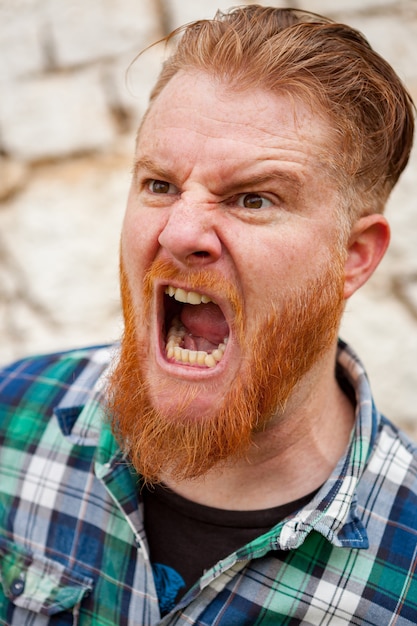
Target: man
pixel 230 466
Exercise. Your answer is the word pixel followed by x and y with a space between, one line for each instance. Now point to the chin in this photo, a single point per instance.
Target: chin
pixel 179 399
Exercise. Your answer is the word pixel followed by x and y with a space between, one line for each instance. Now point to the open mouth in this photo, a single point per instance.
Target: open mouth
pixel 196 331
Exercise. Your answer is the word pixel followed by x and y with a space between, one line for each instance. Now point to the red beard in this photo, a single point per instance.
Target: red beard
pixel 283 349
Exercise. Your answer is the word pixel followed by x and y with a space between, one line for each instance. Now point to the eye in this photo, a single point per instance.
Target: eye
pixel 161 186
pixel 253 201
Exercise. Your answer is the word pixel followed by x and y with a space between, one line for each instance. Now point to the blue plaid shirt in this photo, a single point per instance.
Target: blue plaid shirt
pixel 73 548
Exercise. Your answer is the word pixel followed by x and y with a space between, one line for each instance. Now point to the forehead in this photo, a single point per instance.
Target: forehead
pixel 200 118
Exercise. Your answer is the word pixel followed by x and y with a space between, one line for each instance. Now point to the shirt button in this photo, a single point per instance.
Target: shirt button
pixel 17 587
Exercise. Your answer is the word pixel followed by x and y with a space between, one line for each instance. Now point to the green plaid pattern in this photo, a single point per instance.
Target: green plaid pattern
pixel 73 549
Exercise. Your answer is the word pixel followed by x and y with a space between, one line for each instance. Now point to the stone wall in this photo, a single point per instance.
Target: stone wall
pixel 68 116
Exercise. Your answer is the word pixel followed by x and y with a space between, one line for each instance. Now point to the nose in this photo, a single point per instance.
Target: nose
pixel 189 234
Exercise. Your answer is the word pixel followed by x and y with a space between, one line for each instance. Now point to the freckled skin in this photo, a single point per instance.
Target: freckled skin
pixel 212 147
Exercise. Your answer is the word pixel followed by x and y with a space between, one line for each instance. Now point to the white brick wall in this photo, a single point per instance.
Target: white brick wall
pixel 57 67
pixel 85 32
pixel 20 45
pixel 56 115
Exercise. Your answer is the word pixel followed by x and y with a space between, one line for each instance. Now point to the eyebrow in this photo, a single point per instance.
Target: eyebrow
pixel 289 178
pixel 146 163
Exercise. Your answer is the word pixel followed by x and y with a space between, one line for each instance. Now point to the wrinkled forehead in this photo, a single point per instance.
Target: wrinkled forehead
pixel 193 100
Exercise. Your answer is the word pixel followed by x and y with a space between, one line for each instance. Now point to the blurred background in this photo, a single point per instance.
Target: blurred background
pixel 68 117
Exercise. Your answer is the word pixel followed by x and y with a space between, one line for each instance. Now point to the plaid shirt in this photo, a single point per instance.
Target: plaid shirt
pixel 72 543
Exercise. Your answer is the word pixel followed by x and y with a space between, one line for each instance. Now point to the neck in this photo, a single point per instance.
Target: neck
pixel 294 456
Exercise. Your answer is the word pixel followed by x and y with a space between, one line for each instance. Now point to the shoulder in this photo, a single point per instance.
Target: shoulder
pixel 37 384
pixel 389 483
pixel 394 454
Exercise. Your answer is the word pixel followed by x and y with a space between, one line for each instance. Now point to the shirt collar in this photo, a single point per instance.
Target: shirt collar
pixel 81 411
pixel 84 421
pixel 333 510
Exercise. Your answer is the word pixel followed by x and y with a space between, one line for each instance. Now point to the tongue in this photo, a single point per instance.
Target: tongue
pixel 205 321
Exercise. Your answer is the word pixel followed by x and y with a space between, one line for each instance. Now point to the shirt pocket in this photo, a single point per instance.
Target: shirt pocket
pixel 39 584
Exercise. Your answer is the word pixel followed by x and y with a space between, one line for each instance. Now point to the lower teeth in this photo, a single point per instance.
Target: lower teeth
pixel 191 357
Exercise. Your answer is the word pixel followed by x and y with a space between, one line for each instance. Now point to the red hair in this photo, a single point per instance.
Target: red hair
pixel 329 65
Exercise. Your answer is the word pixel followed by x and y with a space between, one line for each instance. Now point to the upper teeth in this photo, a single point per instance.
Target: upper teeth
pixel 188 297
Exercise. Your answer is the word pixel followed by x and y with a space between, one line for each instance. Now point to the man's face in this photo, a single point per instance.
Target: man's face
pixel 230 251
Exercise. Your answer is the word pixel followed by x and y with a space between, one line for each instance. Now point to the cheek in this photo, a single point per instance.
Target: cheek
pixel 276 264
pixel 139 240
pixel 270 262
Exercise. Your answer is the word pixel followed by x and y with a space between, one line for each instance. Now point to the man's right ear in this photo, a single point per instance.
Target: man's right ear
pixel 369 239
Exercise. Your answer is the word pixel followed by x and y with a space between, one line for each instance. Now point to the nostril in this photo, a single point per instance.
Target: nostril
pixel 201 253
